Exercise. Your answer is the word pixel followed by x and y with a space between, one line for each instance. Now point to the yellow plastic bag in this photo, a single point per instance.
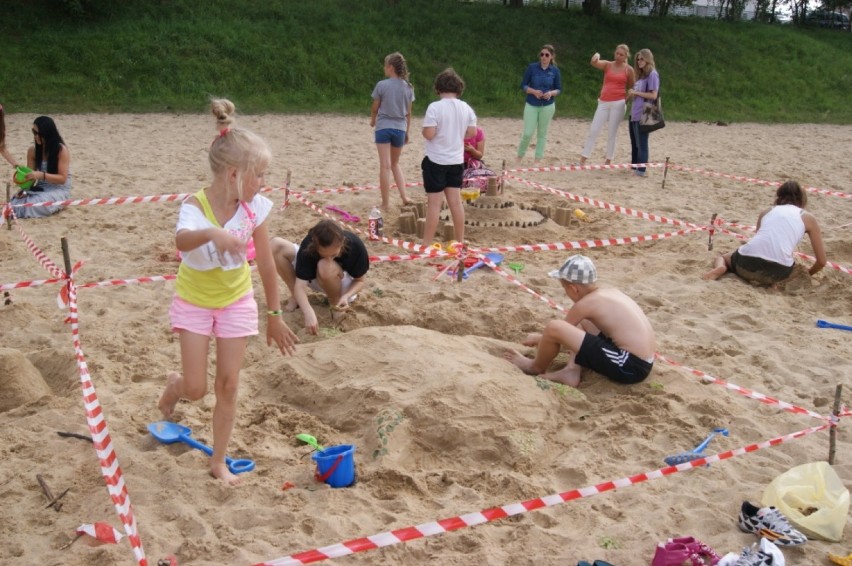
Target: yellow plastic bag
pixel 813 499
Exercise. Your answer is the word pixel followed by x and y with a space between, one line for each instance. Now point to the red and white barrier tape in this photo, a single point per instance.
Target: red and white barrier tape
pixel 605 205
pixel 756 181
pixel 121 200
pixel 40 256
pixel 556 168
pixel 765 399
pixel 399 243
pixel 442 526
pixel 345 189
pixel 96 421
pixel 588 244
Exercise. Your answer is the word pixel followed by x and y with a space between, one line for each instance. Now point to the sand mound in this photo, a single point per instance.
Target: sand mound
pixel 20 381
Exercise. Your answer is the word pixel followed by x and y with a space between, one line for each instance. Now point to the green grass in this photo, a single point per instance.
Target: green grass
pixel 326 55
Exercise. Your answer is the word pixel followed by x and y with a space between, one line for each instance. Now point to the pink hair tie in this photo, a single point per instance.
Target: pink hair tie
pixel 222 133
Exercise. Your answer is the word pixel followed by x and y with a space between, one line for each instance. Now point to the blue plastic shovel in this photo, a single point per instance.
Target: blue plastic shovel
pixel 169 433
pixel 695 454
pixel 493 257
pixel 826 324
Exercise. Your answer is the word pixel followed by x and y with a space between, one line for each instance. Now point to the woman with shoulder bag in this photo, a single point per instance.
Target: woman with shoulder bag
pixel 645 91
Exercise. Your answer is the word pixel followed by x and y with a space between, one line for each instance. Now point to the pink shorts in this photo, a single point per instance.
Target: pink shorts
pixel 237 320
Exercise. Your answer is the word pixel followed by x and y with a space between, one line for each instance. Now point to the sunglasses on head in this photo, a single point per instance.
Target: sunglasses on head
pixel 544 54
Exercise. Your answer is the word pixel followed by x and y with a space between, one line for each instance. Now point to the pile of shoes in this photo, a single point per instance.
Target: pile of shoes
pixel 771 527
pixel 774 531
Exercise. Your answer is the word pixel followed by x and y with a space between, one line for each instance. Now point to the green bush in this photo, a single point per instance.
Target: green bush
pixel 326 55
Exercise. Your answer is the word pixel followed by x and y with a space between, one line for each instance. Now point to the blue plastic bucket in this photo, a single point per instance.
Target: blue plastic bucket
pixel 335 465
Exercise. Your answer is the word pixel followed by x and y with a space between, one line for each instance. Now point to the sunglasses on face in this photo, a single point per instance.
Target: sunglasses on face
pixel 544 54
pixel 35 133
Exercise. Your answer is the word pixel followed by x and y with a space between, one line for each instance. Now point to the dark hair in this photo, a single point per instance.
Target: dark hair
pixel 449 81
pixel 325 233
pixel 51 141
pixel 791 193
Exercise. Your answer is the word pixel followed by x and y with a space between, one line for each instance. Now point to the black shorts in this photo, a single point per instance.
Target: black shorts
pixel 436 177
pixel 759 270
pixel 602 355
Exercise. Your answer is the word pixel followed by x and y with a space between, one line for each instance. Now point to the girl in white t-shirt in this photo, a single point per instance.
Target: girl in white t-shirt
pixel 447 123
pixel 213 291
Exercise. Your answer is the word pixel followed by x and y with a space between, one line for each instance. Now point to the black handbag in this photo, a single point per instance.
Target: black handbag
pixel 652 119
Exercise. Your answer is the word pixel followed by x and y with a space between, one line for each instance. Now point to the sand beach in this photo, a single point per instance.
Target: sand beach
pixel 414 378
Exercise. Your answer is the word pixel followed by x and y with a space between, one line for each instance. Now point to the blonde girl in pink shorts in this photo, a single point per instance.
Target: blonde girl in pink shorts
pixel 213 292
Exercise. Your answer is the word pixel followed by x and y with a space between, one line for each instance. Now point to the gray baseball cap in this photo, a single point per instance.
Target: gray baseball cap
pixel 577 269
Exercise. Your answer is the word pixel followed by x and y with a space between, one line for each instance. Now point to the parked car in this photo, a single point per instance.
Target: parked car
pixel 827 19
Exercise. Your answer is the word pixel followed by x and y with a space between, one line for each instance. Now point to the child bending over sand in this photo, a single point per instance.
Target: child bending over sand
pixel 767 258
pixel 331 260
pixel 605 330
pixel 213 292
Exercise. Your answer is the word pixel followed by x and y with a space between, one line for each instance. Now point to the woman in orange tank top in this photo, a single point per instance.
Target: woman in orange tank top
pixel 618 78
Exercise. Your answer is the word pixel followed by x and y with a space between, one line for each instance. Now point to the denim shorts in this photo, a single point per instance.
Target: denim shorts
pixel 392 136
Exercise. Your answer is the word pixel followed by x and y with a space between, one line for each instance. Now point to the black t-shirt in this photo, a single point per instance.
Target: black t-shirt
pixel 354 260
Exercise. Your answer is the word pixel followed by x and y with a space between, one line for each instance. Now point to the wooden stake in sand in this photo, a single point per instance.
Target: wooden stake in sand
pixel 712 231
pixel 52 501
pixel 74 435
pixel 832 433
pixel 66 256
pixel 665 172
pixel 8 199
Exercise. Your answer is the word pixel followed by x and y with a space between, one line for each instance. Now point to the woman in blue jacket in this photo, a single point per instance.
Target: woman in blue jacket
pixel 542 83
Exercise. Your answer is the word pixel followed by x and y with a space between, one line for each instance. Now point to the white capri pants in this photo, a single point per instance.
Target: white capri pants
pixel 607 114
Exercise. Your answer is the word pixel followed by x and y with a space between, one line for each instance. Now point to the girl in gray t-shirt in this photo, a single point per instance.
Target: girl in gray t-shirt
pixel 390 115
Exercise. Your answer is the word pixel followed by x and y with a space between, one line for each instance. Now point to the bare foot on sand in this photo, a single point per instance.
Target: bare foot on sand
pixel 715 273
pixel 338 314
pixel 291 305
pixel 569 375
pixel 221 472
pixel 524 363
pixel 171 395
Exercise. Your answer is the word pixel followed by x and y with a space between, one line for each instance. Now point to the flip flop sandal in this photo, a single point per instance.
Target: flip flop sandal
pixel 842 560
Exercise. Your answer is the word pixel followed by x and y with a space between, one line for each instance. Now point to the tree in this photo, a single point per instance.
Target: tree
pixel 731 10
pixel 592 7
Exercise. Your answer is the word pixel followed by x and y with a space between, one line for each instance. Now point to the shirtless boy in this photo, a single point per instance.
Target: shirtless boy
pixel 605 330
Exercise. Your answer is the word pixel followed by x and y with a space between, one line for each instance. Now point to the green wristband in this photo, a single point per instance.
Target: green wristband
pixel 274 313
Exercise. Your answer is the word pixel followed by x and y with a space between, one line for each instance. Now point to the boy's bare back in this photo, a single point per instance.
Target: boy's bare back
pixel 619 317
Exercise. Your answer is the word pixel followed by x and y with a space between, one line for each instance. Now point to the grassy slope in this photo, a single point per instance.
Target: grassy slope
pixel 325 55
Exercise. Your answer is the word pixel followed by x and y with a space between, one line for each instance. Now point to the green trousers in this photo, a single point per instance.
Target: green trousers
pixel 536 119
